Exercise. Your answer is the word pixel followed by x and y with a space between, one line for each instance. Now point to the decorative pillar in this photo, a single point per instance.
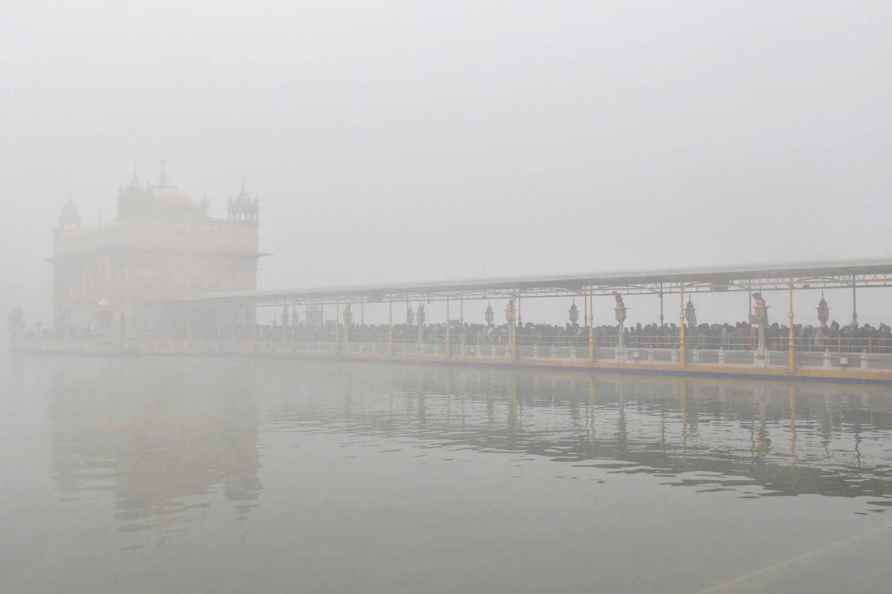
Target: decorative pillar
pixel 511 321
pixel 620 313
pixel 682 347
pixel 690 314
pixel 760 319
pixel 573 314
pixel 823 318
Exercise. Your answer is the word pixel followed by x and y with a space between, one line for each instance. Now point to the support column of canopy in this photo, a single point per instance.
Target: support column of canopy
pixel 791 346
pixel 337 328
pixel 448 342
pixel 791 400
pixel 390 328
pixel 461 323
pixel 419 320
pixel 589 326
pixel 682 346
pixel 662 320
pixel 516 324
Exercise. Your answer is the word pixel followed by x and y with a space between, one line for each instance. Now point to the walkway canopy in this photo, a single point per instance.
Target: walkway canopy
pixel 804 275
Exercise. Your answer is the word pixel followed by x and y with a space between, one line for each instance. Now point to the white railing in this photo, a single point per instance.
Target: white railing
pixel 557 351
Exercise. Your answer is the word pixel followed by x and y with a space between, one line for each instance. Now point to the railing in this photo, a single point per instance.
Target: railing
pixel 838 352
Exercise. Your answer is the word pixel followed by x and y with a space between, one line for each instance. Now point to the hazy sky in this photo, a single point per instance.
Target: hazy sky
pixel 435 140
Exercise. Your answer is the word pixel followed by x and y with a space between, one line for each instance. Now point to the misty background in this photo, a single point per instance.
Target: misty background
pixel 408 141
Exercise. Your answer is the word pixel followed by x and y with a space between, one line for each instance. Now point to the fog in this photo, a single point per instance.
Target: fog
pixel 151 443
pixel 415 141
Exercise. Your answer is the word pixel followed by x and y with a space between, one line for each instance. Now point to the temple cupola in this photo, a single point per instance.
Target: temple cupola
pixel 160 201
pixel 70 218
pixel 244 207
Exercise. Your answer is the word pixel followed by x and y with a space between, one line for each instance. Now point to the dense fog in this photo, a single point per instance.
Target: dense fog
pixel 413 141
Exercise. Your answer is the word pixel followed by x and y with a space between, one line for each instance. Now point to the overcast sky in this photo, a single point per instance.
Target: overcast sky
pixel 435 140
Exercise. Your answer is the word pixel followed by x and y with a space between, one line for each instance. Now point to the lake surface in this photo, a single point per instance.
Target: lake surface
pixel 225 475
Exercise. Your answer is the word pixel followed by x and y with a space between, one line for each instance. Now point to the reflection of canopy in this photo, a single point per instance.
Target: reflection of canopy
pixel 720 418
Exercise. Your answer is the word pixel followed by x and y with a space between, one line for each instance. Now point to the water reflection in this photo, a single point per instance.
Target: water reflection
pixel 163 437
pixel 187 433
pixel 756 438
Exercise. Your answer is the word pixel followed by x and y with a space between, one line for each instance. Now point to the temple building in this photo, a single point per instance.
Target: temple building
pixel 162 246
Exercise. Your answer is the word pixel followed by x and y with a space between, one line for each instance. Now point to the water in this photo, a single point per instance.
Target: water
pixel 226 475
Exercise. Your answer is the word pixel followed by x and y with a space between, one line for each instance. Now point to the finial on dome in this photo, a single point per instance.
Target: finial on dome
pixel 134 179
pixel 70 217
pixel 163 180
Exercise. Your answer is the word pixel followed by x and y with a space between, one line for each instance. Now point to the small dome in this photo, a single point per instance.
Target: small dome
pixel 70 217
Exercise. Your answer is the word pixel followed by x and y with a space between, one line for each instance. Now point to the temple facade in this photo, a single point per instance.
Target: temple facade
pixel 162 246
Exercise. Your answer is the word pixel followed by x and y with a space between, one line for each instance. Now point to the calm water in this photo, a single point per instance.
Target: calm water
pixel 162 475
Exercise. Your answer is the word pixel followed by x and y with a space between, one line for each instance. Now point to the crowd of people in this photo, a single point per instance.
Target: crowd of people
pixel 739 336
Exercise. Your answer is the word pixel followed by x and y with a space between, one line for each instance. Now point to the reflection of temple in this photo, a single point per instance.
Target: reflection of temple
pixel 780 438
pixel 159 437
pixel 166 435
pixel 161 245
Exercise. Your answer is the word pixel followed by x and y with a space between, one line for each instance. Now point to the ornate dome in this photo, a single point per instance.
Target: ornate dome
pixel 70 217
pixel 243 207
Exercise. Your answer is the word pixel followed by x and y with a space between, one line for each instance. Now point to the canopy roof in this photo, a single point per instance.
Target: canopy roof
pixel 803 275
